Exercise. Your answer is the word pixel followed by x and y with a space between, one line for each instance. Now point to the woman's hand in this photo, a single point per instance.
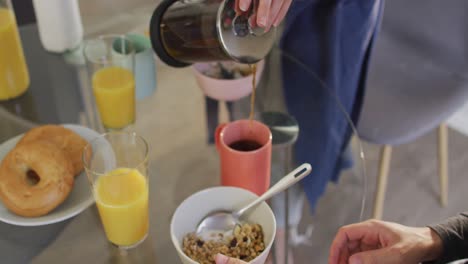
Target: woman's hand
pixel 221 259
pixel 269 12
pixel 373 242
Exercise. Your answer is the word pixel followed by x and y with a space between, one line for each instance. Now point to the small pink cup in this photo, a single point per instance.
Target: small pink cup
pixel 225 90
pixel 249 170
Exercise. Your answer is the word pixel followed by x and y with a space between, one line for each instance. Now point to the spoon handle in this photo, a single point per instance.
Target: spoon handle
pixel 287 181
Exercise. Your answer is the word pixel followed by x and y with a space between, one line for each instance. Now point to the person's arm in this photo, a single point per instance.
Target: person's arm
pixel 454 235
pixel 378 242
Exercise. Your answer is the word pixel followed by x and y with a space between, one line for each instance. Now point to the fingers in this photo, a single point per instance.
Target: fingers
pixel 364 246
pixel 282 12
pixel 244 5
pixel 274 10
pixel 354 247
pixel 269 12
pixel 366 232
pixel 253 21
pixel 221 259
pixel 263 12
pixel 237 8
pixel 344 256
pixel 379 256
pixel 345 252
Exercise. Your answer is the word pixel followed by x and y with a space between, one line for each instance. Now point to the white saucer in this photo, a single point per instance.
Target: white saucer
pixel 79 199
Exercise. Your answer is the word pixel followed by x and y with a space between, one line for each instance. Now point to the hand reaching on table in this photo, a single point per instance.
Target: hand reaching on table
pixel 221 259
pixel 269 12
pixel 373 242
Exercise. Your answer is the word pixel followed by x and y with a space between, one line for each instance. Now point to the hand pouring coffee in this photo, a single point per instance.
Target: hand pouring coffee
pixel 185 32
pixel 225 221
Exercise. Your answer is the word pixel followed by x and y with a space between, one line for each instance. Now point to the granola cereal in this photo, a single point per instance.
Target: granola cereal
pixel 245 243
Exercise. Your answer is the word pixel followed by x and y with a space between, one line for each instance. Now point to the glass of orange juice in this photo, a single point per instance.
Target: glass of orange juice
pixel 116 164
pixel 110 61
pixel 14 76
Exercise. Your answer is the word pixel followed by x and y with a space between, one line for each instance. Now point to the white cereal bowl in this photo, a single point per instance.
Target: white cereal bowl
pixel 191 211
pixel 225 90
pixel 461 261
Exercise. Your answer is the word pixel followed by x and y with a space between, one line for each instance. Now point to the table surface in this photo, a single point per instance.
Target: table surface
pixel 174 121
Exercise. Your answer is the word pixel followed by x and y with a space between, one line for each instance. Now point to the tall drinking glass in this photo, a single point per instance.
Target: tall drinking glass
pixel 110 61
pixel 117 167
pixel 14 75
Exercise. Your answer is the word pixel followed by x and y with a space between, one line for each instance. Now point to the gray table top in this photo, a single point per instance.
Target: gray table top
pixel 181 161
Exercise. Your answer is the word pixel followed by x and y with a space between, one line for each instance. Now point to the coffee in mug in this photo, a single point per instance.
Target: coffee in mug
pixel 245 145
pixel 244 148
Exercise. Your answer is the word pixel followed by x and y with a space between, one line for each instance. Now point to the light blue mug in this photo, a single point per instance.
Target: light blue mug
pixel 145 68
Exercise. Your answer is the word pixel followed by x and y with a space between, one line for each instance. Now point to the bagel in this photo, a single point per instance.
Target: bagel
pixel 71 143
pixel 35 178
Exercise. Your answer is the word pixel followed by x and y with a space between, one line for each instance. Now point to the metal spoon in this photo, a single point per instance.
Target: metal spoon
pixel 224 220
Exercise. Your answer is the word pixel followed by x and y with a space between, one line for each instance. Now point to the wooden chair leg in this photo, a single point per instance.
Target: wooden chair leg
pixel 443 164
pixel 384 167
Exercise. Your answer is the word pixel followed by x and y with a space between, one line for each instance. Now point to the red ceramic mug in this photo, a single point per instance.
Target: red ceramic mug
pixel 244 148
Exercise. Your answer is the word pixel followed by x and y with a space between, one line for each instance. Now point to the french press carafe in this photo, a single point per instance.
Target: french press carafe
pixel 188 31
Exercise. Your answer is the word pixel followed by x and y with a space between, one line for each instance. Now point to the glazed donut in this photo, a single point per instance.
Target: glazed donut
pixel 35 178
pixel 70 142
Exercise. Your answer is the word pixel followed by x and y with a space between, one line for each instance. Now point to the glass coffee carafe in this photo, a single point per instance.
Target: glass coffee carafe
pixel 188 31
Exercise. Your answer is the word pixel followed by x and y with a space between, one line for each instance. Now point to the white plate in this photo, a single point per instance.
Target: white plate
pixel 79 199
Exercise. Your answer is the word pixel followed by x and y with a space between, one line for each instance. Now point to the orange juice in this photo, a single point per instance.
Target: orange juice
pixel 122 201
pixel 14 76
pixel 114 91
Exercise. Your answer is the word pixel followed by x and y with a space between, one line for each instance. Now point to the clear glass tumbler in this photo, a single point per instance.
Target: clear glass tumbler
pixel 116 164
pixel 110 61
pixel 14 75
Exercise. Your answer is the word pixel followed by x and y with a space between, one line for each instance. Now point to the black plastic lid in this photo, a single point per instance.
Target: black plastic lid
pixel 155 35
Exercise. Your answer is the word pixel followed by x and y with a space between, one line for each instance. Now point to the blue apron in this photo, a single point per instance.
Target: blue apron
pixel 333 38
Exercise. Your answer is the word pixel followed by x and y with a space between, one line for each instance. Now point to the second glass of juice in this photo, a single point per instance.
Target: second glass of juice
pixel 14 75
pixel 116 164
pixel 110 63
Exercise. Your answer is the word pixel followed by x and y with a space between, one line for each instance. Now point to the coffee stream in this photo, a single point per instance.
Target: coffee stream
pixel 247 144
pixel 253 68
